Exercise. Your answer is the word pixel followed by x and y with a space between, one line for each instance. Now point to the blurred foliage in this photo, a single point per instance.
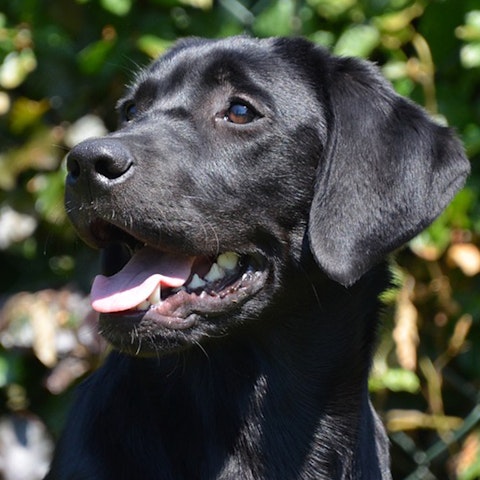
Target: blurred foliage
pixel 63 65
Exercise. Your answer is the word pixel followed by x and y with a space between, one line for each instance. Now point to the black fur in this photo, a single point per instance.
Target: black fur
pixel 331 172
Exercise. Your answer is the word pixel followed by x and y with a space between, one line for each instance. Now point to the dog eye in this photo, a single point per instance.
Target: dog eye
pixel 129 112
pixel 240 113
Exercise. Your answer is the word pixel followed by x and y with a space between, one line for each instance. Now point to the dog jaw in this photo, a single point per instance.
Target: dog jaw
pixel 161 306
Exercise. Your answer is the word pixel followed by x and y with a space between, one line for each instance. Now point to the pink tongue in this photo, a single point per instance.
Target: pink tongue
pixel 138 279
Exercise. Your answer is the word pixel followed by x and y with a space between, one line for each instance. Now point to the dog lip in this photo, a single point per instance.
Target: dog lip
pixel 132 319
pixel 214 303
pixel 183 310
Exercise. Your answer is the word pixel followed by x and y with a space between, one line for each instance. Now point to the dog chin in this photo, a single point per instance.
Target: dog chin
pixel 151 335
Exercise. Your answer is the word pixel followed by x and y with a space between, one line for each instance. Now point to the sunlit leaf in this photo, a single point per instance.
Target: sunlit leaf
pixel 204 4
pixel 466 256
pixel 39 152
pixel 398 420
pixel 395 70
pixel 323 37
pixel 396 380
pixel 153 46
pixel 432 242
pixel 424 246
pixel 405 333
pixel 15 68
pixel 470 55
pixel 358 40
pixel 459 337
pixel 117 7
pixel 49 191
pixel 399 20
pixel 26 112
pixel 4 103
pixel 331 9
pixel 467 462
pixel 14 226
pixel 276 19
pixel 85 127
pixel 472 19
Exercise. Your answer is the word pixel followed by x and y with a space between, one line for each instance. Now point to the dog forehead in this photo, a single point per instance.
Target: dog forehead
pixel 246 64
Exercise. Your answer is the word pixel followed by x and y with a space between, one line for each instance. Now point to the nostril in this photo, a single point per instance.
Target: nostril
pixel 112 167
pixel 73 169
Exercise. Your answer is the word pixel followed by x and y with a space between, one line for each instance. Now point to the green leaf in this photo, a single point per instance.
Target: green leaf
pixel 49 189
pixel 471 138
pixel 93 57
pixel 359 41
pixel 276 20
pixel 473 19
pixel 16 67
pixel 396 380
pixel 470 55
pixel 117 7
pixel 322 37
pixel 152 45
pixel 10 368
pixel 331 9
pixel 3 371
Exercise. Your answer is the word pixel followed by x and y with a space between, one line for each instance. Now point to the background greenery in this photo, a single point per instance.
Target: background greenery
pixel 63 64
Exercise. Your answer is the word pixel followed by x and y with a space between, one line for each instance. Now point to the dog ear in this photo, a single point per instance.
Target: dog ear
pixel 387 172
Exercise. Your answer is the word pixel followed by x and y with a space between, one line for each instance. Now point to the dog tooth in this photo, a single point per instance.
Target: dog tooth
pixel 215 273
pixel 154 297
pixel 196 282
pixel 228 260
pixel 145 305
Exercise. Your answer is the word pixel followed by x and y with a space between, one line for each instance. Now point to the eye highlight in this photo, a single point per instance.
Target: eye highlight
pixel 240 113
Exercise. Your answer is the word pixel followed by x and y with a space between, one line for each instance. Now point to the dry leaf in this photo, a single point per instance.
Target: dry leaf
pixel 405 333
pixel 459 336
pixel 469 455
pixel 466 256
pixel 401 420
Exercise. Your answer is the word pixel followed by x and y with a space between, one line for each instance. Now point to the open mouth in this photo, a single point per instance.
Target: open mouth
pixel 175 291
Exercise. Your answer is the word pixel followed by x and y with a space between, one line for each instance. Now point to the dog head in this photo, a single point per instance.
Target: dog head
pixel 237 159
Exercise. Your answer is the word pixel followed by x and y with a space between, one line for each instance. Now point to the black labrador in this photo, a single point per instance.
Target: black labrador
pixel 245 208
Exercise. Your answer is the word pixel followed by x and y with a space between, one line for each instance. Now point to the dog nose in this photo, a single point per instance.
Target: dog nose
pixel 100 161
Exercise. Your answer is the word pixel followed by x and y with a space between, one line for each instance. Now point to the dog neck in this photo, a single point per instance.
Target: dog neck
pixel 279 396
